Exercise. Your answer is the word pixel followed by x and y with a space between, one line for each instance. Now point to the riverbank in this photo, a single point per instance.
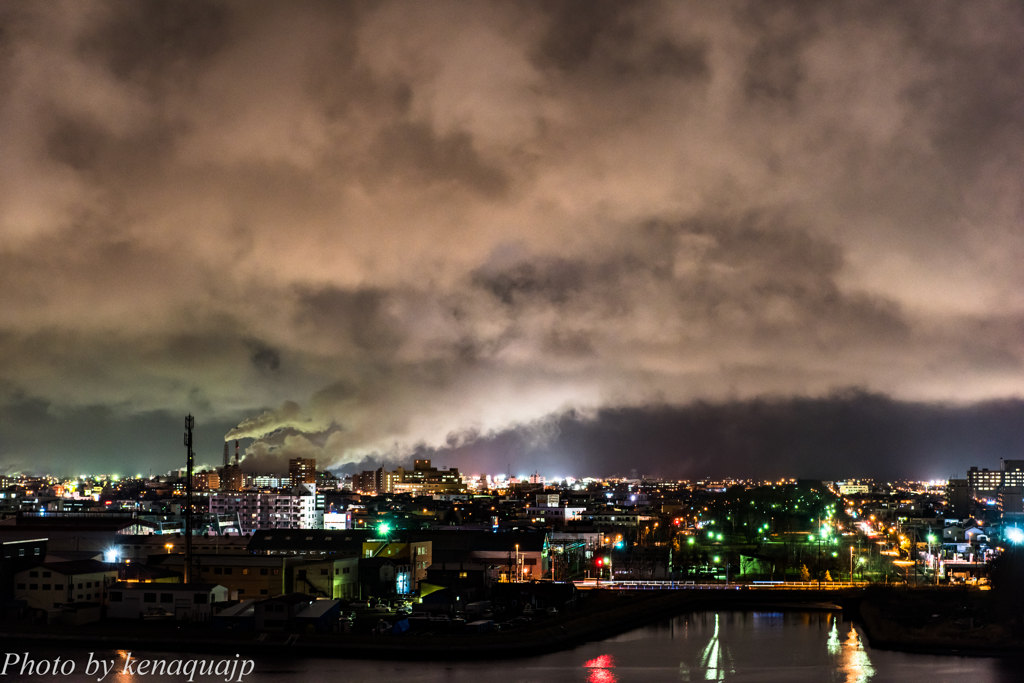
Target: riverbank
pixel 940 621
pixel 604 616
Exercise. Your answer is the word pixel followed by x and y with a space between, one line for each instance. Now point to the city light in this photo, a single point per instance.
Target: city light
pixel 1015 535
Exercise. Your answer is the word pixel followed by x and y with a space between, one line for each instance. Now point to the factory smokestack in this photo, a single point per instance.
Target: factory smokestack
pixel 236 450
pixel 226 461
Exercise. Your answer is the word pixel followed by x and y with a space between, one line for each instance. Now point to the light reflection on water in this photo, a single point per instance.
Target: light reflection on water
pixel 854 661
pixel 768 647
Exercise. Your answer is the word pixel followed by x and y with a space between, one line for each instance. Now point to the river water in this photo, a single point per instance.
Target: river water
pixel 769 647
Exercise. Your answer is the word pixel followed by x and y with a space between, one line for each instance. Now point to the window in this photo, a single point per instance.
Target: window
pixel 79 586
pixel 463 575
pixel 200 598
pixel 336 571
pixel 46 586
pixel 89 584
pixel 33 575
pixel 21 586
pixel 323 572
pixel 245 571
pixel 33 586
pixel 46 575
pixel 263 591
pixel 149 597
pixel 264 571
pixel 227 570
pixel 21 552
pixel 166 597
pixel 277 572
pixel 345 570
pixel 218 570
pixel 115 596
pixel 241 591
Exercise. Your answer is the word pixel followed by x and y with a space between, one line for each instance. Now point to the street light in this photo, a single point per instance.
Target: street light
pixel 931 558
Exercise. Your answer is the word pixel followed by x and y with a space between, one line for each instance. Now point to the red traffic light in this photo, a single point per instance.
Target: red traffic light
pixel 600 562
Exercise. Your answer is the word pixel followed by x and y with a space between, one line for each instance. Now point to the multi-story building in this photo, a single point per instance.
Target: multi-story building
pixel 266 481
pixel 206 481
pixel 1011 504
pixel 231 478
pixel 417 555
pixel 302 471
pixel 424 479
pixel 371 481
pixel 984 482
pixel 259 510
pixel 614 518
pixel 53 584
pixel 1013 473
pixel 958 497
pixel 558 515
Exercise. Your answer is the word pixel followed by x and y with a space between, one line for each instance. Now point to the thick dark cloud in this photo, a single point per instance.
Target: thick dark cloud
pixel 847 435
pixel 356 229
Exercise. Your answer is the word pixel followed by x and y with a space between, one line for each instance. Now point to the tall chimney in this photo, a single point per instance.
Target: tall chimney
pixel 226 460
pixel 236 451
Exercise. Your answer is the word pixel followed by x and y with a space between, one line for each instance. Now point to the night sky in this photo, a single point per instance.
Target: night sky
pixel 585 238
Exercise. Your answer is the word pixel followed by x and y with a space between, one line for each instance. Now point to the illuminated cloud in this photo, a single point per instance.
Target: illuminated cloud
pixel 403 225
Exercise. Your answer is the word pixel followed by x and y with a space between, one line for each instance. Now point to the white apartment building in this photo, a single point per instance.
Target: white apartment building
pixel 555 514
pixel 258 510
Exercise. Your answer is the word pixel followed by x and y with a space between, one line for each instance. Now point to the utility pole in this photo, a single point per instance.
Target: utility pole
pixel 817 559
pixel 190 423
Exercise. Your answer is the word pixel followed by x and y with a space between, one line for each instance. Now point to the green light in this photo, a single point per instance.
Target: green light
pixel 383 528
pixel 690 540
pixel 719 537
pixel 811 538
pixel 717 558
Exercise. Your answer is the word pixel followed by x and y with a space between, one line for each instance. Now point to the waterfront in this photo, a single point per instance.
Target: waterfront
pixel 783 647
